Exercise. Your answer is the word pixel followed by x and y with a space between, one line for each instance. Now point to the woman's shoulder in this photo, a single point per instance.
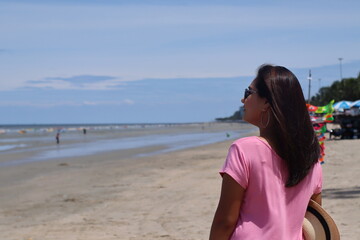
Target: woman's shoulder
pixel 245 141
pixel 251 144
pixel 317 168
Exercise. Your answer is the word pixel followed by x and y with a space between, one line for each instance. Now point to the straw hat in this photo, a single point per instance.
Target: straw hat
pixel 318 225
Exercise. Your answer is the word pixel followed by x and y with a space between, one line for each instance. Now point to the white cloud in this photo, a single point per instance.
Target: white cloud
pixel 37 104
pixel 129 102
pixel 153 41
pixel 116 17
pixel 64 103
pixel 81 82
pixel 98 103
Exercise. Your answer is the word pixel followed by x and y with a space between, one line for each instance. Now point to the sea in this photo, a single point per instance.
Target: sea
pixel 24 144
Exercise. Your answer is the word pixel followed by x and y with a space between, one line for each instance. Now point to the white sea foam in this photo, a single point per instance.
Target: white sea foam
pixel 73 143
pixel 8 147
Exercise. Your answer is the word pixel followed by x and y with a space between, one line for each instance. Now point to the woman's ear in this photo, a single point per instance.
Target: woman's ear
pixel 266 106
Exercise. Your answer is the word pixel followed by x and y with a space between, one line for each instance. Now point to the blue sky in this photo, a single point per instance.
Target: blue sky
pixel 161 61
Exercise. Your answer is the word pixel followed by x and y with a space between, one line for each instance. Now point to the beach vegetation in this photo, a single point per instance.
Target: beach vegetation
pixel 347 89
pixel 233 118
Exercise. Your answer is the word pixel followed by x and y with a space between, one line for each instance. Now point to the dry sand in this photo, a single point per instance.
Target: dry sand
pixel 168 196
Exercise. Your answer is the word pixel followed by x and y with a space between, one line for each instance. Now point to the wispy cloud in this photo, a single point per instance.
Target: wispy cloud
pixel 99 103
pixel 65 103
pixel 192 39
pixel 83 79
pixel 142 15
pixel 85 82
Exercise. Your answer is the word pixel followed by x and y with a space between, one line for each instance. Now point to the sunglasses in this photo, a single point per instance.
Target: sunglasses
pixel 248 92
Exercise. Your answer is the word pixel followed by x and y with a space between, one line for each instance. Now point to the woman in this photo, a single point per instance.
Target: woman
pixel 269 180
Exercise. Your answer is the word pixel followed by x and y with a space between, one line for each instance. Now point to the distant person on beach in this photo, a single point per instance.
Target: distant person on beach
pixel 84 131
pixel 268 180
pixel 57 137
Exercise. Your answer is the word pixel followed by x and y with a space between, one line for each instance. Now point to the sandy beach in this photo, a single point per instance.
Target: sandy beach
pixel 165 196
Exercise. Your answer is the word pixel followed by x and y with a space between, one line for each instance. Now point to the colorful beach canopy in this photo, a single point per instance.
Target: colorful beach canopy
pixel 323 109
pixel 355 104
pixel 323 115
pixel 342 105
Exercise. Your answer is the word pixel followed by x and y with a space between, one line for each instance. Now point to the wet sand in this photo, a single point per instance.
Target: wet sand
pixel 39 145
pixel 167 196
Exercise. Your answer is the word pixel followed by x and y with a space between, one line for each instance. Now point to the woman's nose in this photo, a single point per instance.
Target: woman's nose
pixel 243 100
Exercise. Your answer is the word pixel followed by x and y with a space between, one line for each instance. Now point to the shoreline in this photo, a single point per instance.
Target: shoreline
pixel 167 196
pixel 42 147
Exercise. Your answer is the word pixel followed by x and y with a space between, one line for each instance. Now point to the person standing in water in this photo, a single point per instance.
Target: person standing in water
pixel 57 137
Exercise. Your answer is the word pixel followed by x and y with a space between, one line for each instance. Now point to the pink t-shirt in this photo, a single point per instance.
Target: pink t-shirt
pixel 269 210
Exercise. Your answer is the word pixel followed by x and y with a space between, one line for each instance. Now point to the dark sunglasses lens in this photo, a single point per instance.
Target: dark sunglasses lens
pixel 246 93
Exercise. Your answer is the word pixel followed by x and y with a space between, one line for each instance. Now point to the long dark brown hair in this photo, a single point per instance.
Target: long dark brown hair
pixel 295 137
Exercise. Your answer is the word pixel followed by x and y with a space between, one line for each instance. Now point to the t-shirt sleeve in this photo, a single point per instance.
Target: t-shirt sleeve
pixel 318 185
pixel 236 166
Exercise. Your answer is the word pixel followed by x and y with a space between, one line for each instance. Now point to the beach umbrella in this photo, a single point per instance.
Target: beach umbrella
pixel 340 106
pixel 356 104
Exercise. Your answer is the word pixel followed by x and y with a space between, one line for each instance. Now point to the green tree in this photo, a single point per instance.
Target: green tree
pixel 235 117
pixel 346 89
